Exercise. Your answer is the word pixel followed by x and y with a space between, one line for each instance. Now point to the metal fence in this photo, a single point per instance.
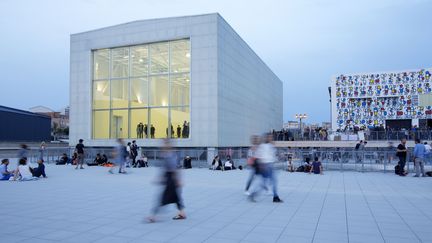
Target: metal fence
pixel 342 159
pixel 368 160
pixel 296 135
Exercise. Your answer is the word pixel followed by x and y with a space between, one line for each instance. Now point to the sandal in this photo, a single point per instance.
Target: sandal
pixel 179 216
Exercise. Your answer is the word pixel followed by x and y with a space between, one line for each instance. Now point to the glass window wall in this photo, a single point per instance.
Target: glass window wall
pixel 142 91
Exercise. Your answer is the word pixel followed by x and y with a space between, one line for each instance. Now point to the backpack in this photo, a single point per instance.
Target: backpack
pixel 397 169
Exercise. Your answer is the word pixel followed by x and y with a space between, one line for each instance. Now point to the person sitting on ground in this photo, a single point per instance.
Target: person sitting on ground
pixel 64 160
pixel 229 164
pixel 307 165
pixel 143 161
pixel 98 160
pixel 104 159
pixel 74 159
pixel 316 167
pixel 40 170
pixel 4 173
pixel 290 165
pixel 23 172
pixel 216 164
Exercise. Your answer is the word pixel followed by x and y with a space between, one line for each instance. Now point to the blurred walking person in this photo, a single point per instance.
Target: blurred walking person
pixel 266 155
pixel 22 153
pixel 79 149
pixel 120 155
pixel 42 149
pixel 252 162
pixel 170 178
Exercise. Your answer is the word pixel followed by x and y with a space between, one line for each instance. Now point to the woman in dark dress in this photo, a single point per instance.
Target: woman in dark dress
pixel 172 184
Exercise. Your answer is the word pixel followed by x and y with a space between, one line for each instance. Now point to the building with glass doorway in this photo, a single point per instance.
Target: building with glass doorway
pixel 190 78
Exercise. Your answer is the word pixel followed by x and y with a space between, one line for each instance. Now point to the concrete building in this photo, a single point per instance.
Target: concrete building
pixel 18 125
pixel 191 78
pixel 399 99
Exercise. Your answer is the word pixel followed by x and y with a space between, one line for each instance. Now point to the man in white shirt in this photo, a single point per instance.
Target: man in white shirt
pixel 266 155
pixel 428 149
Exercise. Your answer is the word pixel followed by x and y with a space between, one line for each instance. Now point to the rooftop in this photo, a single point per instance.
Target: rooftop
pixel 91 205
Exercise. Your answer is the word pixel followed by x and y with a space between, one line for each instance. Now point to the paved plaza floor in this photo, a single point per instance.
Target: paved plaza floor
pixel 91 205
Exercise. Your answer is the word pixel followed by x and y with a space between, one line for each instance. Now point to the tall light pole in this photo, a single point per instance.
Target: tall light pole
pixel 301 117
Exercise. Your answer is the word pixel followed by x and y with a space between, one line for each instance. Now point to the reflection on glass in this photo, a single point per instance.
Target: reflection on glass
pixel 120 62
pixel 119 93
pixel 101 94
pixel 139 92
pixel 119 124
pixel 139 61
pixel 180 85
pixel 101 64
pixel 159 57
pixel 180 56
pixel 180 117
pixel 100 124
pixel 139 123
pixel 159 90
pixel 158 122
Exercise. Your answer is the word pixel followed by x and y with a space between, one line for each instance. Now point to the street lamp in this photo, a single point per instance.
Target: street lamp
pixel 301 117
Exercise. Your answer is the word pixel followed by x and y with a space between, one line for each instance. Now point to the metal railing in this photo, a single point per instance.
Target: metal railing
pixel 343 159
pixel 368 135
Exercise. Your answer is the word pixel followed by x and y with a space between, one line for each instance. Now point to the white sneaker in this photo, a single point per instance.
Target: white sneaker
pixel 247 193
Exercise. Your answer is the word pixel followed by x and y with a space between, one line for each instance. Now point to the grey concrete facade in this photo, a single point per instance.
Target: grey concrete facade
pixel 233 93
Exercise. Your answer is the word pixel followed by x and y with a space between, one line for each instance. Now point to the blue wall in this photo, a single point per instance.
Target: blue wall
pixel 19 126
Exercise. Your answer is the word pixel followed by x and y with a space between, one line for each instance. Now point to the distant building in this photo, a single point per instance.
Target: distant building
pixel 59 119
pixel 326 125
pixel 19 125
pixel 291 125
pixel 399 99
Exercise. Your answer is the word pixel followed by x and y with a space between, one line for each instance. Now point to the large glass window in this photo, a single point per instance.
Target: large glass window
pixel 139 92
pixel 119 124
pixel 180 56
pixel 120 62
pixel 180 117
pixel 100 124
pixel 159 90
pixel 158 122
pixel 180 89
pixel 159 57
pixel 139 61
pixel 101 94
pixel 142 91
pixel 139 120
pixel 119 93
pixel 101 60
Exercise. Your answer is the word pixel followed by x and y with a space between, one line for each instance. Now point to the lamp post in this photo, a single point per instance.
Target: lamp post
pixel 301 117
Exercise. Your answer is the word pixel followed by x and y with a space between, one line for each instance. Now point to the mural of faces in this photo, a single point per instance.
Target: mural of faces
pixel 370 99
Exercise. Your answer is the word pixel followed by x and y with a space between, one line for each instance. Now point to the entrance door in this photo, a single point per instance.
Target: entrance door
pixel 117 127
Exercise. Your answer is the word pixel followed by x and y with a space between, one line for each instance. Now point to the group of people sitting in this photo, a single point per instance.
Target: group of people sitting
pixel 23 172
pixel 307 167
pixel 228 165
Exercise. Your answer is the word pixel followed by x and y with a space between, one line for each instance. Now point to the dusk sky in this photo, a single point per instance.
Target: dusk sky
pixel 305 42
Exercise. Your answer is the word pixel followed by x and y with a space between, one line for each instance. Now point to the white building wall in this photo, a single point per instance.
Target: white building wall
pixel 202 32
pixel 250 94
pixel 233 93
